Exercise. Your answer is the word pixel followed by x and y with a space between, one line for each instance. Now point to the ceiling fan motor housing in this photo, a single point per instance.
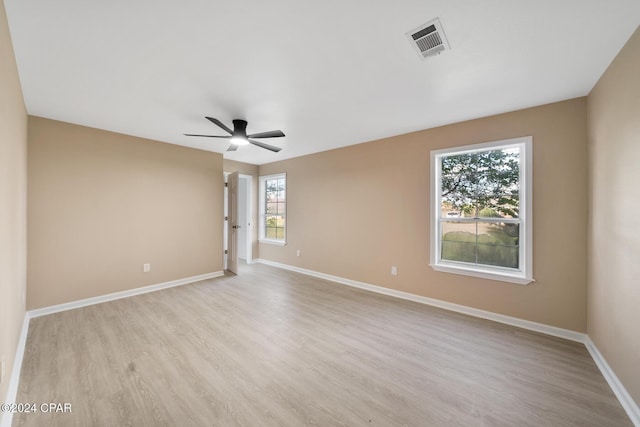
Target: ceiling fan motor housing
pixel 240 129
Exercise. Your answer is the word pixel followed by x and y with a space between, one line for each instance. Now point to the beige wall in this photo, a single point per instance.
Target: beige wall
pixel 614 235
pixel 102 204
pixel 231 166
pixel 356 211
pixel 13 208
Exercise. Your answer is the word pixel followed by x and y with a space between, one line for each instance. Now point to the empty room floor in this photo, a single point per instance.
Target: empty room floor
pixel 271 347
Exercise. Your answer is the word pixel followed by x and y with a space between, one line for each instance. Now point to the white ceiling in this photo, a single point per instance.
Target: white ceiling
pixel 328 73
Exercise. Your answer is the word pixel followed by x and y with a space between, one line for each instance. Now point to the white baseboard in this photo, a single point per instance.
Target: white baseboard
pixel 118 295
pixel 513 321
pixel 7 417
pixel 627 402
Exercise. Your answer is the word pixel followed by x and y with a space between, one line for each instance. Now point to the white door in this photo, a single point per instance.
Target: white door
pixel 232 224
pixel 242 218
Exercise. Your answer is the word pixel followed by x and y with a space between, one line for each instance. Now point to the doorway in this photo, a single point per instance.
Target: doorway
pixel 244 231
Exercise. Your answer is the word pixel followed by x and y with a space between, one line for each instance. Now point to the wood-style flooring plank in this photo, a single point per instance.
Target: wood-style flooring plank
pixel 275 348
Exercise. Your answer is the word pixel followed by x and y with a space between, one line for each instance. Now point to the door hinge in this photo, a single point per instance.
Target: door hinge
pixel 226 252
pixel 226 184
pixel 226 218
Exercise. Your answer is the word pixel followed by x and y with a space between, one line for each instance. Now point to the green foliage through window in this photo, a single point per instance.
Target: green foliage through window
pixel 274 208
pixel 496 245
pixel 482 182
pixel 477 189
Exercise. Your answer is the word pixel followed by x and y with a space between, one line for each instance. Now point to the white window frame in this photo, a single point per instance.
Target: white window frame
pixel 263 214
pixel 524 274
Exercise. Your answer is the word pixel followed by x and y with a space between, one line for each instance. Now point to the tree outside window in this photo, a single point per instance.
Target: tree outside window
pixel 480 194
pixel 273 207
pixel 481 185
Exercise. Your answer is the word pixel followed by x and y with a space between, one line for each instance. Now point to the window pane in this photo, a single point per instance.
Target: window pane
pixel 271 221
pixel 458 251
pixel 274 227
pixel 459 231
pixel 498 244
pixel 447 210
pixel 271 188
pixel 481 243
pixel 459 241
pixel 276 208
pixel 272 208
pixel 481 183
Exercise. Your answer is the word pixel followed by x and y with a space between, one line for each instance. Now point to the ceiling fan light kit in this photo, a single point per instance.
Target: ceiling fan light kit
pixel 239 140
pixel 238 136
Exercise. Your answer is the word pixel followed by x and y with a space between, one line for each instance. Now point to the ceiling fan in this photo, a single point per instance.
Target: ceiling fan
pixel 238 135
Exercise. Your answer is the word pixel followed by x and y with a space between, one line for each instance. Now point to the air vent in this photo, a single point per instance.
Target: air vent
pixel 428 39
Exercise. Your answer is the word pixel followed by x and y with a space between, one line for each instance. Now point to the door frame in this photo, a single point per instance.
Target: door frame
pixel 249 226
pixel 233 182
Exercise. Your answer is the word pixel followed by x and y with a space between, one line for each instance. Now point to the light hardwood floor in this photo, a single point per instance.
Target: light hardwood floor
pixel 274 348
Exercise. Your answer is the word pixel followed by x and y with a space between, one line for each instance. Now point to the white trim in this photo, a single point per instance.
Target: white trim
pixel 627 402
pixel 225 221
pixel 7 418
pixel 450 267
pixel 118 295
pixel 248 234
pixel 521 276
pixel 500 318
pixel 272 242
pixel 262 208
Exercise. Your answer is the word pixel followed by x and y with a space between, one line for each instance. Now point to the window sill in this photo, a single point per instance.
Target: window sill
pixel 273 242
pixel 483 274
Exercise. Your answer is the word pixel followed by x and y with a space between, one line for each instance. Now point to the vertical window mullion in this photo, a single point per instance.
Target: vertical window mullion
pixel 476 248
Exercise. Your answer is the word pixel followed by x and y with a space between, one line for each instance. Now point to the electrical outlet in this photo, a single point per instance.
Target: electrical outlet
pixel 394 270
pixel 298 252
pixel 146 268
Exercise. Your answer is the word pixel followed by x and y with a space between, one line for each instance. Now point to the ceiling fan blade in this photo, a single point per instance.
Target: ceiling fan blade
pixel 232 147
pixel 208 136
pixel 267 146
pixel 269 134
pixel 220 124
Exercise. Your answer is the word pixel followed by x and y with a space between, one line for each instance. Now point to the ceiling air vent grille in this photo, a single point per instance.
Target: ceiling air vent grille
pixel 429 39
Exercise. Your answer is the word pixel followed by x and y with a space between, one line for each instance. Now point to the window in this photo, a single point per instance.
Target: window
pixel 481 210
pixel 273 208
